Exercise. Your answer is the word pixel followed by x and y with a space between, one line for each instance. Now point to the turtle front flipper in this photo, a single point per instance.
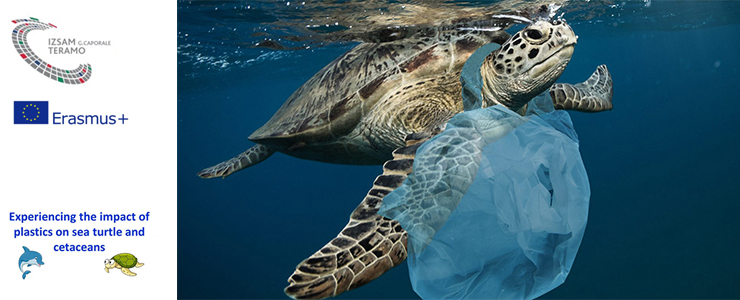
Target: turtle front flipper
pixel 248 158
pixel 592 95
pixel 368 246
pixel 127 272
pixel 139 265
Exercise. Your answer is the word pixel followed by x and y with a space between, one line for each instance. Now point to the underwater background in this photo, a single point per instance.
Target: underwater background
pixel 664 166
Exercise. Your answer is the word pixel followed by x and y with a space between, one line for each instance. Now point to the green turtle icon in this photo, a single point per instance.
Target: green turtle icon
pixel 123 261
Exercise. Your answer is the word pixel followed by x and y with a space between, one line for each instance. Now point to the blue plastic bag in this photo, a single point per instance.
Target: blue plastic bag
pixel 496 206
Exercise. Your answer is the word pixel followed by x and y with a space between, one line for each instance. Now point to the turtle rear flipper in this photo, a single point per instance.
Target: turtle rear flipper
pixel 248 158
pixel 368 246
pixel 592 95
pixel 127 272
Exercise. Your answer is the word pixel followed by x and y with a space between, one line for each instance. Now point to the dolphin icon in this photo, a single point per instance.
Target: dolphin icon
pixel 29 258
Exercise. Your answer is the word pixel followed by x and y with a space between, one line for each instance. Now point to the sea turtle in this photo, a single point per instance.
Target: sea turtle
pixel 380 101
pixel 123 261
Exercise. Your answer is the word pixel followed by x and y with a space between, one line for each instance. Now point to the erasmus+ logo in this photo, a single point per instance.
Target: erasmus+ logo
pixel 31 112
pixel 20 33
pixel 37 112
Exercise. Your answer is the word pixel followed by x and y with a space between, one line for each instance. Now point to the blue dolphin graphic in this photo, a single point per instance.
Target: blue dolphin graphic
pixel 29 258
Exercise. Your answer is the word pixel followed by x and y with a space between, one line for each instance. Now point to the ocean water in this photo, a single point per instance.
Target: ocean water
pixel 664 219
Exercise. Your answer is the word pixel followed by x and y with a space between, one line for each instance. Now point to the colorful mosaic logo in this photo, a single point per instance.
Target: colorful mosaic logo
pixel 77 76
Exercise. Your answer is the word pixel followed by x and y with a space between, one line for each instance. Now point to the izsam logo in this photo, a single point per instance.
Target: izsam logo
pixel 31 112
pixel 77 76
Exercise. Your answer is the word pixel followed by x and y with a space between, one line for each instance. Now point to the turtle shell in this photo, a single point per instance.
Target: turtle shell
pixel 332 102
pixel 126 260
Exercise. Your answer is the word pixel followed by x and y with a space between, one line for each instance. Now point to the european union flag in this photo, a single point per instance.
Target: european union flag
pixel 31 112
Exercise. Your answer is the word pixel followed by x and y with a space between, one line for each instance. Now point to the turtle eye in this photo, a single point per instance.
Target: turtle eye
pixel 533 34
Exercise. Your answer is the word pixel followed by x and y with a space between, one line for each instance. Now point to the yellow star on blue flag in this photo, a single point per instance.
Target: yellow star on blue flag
pixel 31 112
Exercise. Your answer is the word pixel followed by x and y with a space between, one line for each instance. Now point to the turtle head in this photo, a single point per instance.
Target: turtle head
pixel 527 64
pixel 109 264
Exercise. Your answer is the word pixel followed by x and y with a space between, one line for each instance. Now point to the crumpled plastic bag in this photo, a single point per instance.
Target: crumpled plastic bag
pixel 496 206
pixel 471 80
